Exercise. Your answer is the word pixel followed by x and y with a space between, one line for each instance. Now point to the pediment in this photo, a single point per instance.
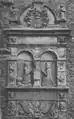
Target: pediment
pixel 37 15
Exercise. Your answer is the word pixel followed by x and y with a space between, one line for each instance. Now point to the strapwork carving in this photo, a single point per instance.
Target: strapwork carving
pixel 37 16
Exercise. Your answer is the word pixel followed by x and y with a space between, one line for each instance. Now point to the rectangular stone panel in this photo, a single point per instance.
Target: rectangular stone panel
pixel 41 95
pixel 33 40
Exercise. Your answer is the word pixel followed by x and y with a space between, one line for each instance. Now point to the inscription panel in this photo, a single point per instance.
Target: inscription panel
pixel 36 95
pixel 32 40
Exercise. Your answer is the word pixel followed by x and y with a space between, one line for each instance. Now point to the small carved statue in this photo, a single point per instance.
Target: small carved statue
pixel 47 78
pixel 62 12
pixel 13 13
pixel 26 74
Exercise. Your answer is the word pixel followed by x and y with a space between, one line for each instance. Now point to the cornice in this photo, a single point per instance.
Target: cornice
pixel 37 32
pixel 65 88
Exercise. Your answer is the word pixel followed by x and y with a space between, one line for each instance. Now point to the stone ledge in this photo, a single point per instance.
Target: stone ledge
pixel 59 88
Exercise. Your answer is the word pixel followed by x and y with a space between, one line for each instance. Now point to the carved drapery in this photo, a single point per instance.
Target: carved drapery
pixel 24 73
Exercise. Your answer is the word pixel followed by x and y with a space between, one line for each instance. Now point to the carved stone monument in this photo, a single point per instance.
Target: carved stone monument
pixel 36 76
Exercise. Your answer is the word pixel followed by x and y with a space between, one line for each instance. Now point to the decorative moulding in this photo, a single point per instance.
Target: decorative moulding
pixel 59 88
pixel 37 32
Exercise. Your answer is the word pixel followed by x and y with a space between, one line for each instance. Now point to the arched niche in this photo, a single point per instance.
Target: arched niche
pixel 37 15
pixel 25 55
pixel 24 68
pixel 48 55
pixel 49 68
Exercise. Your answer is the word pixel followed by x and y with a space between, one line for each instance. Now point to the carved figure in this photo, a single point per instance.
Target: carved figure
pixel 25 74
pixel 62 12
pixel 47 78
pixel 14 14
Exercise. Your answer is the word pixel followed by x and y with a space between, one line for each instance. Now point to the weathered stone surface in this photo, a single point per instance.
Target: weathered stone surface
pixel 70 50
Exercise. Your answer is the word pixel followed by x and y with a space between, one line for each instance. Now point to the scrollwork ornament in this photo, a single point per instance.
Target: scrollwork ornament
pixel 12 73
pixel 35 16
pixel 12 108
pixel 62 106
pixel 61 78
pixel 37 19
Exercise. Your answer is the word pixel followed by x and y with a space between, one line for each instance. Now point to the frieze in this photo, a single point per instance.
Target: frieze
pixel 32 40
pixel 36 109
pixel 32 108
